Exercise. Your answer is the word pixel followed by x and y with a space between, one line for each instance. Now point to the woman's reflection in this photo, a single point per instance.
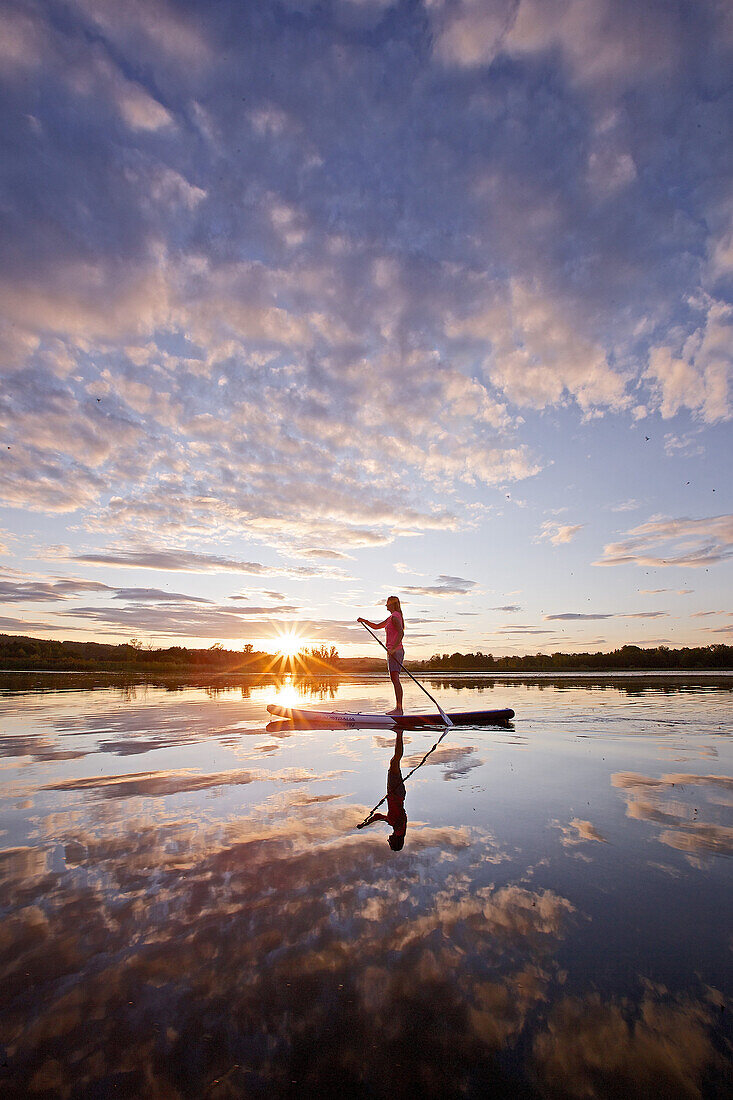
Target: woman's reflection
pixel 395 816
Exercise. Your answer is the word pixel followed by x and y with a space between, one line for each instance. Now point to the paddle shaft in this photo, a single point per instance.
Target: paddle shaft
pixel 443 715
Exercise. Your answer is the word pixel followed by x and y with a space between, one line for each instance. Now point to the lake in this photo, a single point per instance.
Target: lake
pixel 188 909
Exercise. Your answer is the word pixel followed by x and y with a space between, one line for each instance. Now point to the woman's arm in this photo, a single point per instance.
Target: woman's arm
pixel 374 626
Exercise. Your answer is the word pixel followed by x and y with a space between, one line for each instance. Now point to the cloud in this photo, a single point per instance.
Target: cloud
pixel 271 595
pixel 241 300
pixel 700 378
pixel 573 616
pixel 692 543
pixel 444 586
pixel 510 607
pixel 599 46
pixel 154 595
pixel 659 591
pixel 537 356
pixel 322 552
pixel 48 591
pixel 225 623
pixel 23 626
pixel 688 445
pixel 189 561
pixel 522 630
pixel 644 615
pixel 559 533
pixel 402 567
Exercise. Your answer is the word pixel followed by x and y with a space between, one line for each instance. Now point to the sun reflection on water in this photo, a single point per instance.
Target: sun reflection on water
pixel 285 693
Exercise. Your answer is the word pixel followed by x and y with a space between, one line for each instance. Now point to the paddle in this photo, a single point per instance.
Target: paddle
pixel 443 715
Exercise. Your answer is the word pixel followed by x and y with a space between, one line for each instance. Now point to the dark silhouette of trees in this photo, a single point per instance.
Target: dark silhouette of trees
pixel 19 653
pixel 628 658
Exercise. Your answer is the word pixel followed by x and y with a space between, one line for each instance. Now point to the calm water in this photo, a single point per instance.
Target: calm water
pixel 188 909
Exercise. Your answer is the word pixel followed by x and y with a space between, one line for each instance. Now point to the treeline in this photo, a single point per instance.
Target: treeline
pixel 33 654
pixel 629 658
pixel 18 653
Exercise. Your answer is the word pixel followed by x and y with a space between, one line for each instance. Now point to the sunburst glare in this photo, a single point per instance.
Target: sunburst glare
pixel 289 643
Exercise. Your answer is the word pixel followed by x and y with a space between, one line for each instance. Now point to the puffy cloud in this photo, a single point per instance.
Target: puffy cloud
pixel 241 297
pixel 602 44
pixel 473 31
pixel 537 357
pixel 699 378
pixel 692 543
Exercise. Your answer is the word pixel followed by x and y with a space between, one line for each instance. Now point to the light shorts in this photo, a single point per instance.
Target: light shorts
pixel 392 664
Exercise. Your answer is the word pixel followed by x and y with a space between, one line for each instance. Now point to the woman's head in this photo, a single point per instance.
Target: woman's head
pixel 393 604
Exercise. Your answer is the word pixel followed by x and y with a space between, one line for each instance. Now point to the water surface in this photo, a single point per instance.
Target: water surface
pixel 188 909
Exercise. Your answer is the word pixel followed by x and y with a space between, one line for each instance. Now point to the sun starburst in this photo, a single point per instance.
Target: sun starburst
pixel 289 643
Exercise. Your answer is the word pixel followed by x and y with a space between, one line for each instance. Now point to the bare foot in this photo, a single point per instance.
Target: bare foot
pixel 396 710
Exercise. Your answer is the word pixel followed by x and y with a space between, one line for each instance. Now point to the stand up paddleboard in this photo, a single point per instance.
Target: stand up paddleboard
pixel 317 719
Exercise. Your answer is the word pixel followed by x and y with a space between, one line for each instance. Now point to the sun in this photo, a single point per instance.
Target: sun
pixel 289 643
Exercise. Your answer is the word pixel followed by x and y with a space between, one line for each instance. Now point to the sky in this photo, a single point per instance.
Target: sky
pixel 308 303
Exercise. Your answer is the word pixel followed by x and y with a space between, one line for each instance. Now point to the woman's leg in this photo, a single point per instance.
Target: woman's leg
pixel 395 678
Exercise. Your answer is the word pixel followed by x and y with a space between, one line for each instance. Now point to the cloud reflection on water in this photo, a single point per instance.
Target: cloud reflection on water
pixel 669 803
pixel 661 1049
pixel 282 948
pixel 157 941
pixel 156 784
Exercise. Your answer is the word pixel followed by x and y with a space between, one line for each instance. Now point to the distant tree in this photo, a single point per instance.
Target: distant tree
pixel 321 654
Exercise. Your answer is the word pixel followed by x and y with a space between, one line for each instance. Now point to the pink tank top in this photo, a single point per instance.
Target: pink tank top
pixel 393 629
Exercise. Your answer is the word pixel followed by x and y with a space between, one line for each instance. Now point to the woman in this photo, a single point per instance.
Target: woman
pixel 394 625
